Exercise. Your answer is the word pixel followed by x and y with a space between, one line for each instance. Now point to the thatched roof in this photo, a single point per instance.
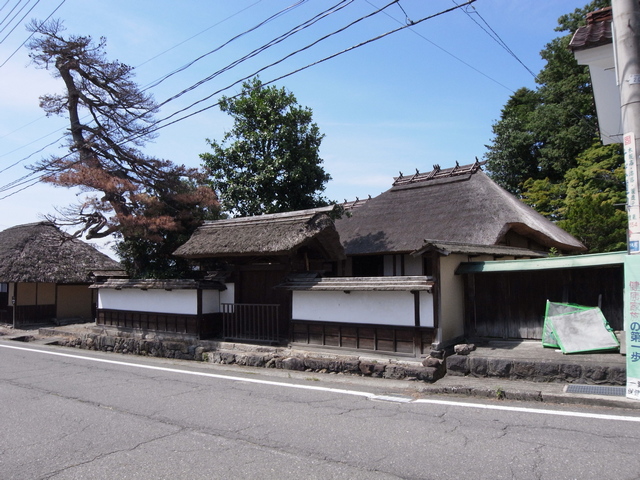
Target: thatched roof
pixel 40 252
pixel 460 204
pixel 275 234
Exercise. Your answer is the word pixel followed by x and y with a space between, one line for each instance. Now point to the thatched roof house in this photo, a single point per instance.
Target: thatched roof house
pixel 40 252
pixel 456 205
pixel 47 273
pixel 273 235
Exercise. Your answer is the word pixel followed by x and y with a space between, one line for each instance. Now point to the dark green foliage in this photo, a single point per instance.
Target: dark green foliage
pixel 269 161
pixel 543 148
pixel 595 199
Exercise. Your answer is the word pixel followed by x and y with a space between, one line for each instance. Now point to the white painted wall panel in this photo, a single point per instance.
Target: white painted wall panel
pixel 228 295
pixel 161 301
pixel 210 301
pixel 374 307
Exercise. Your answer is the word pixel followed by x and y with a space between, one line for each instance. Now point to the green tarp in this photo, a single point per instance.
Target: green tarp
pixel 577 329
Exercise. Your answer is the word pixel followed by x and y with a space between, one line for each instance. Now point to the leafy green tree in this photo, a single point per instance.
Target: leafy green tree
pixel 543 140
pixel 269 161
pixel 590 201
pixel 594 210
pixel 513 156
pixel 546 197
pixel 543 148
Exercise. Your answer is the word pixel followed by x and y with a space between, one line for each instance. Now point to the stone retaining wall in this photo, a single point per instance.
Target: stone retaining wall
pixel 258 356
pixel 561 372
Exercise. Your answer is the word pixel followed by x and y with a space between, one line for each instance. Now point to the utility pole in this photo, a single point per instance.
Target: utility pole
pixel 626 25
pixel 626 37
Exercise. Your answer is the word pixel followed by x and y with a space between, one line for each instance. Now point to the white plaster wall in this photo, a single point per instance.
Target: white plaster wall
pixel 228 295
pixel 605 90
pixel 374 307
pixel 426 309
pixel 210 301
pixel 161 301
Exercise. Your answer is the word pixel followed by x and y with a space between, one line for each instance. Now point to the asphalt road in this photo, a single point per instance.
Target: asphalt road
pixel 71 414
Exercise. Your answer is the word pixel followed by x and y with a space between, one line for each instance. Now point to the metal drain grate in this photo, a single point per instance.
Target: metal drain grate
pixel 596 390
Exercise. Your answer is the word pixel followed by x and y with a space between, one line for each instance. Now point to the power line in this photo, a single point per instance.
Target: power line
pixel 494 36
pixel 10 12
pixel 415 32
pixel 29 37
pixel 23 180
pixel 261 49
pixel 18 23
pixel 152 130
pixel 273 42
pixel 157 82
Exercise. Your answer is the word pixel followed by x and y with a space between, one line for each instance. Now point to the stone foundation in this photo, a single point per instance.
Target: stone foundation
pixel 560 372
pixel 256 356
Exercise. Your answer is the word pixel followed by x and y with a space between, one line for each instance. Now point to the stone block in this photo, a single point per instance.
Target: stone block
pixel 457 365
pixel 257 360
pixel 373 369
pixel 570 372
pixel 351 366
pixel 198 354
pixel 395 372
pixel 478 366
pixel 293 363
pixel 499 367
pixel 464 348
pixel 432 362
pixel 547 371
pixel 595 373
pixel 524 370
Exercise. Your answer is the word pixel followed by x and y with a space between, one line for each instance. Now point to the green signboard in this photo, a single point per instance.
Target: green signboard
pixel 632 323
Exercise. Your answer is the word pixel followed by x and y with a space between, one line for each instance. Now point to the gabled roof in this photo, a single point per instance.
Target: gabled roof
pixel 274 234
pixel 40 252
pixel 460 204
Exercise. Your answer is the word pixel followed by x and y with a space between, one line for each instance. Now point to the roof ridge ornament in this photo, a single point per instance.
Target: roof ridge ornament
pixel 439 172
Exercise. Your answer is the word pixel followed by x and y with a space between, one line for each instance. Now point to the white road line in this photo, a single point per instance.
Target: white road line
pixel 341 391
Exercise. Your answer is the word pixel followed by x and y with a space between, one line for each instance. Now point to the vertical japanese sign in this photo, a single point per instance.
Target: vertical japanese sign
pixel 633 200
pixel 632 323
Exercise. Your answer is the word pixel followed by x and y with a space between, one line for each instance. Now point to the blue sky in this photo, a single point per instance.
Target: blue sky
pixel 422 96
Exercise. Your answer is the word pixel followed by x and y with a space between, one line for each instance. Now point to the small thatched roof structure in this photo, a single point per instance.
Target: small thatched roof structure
pixel 275 234
pixel 40 252
pixel 460 204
